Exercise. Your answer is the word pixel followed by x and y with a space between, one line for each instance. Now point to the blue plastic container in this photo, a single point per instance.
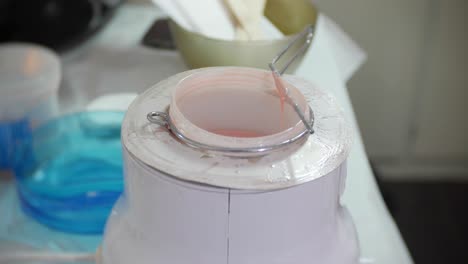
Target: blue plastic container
pixel 69 171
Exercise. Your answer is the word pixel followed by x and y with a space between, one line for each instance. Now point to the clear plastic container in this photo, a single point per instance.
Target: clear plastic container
pixel 30 77
pixel 69 172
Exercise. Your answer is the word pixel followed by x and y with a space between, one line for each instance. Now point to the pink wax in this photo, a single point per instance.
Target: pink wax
pixel 280 88
pixel 237 103
pixel 237 133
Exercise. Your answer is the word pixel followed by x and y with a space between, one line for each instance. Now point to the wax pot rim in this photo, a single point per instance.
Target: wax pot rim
pixel 322 152
pixel 166 121
pixel 198 137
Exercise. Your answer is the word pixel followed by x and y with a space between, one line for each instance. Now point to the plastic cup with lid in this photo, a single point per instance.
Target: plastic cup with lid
pixel 29 81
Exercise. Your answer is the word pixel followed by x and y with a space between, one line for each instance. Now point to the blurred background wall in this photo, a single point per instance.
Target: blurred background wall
pixel 410 96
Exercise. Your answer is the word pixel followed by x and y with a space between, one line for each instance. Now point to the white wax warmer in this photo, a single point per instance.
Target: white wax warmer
pixel 231 176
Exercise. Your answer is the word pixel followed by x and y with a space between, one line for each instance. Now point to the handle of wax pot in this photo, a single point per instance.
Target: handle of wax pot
pixel 163 119
pixel 308 34
pixel 309 125
pixel 160 118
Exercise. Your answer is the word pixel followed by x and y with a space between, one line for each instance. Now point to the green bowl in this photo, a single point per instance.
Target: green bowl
pixel 289 16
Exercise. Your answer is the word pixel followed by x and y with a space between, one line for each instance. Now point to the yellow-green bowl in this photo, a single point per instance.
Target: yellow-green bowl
pixel 289 16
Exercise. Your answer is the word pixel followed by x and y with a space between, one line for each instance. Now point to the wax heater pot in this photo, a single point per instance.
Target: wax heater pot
pixel 219 170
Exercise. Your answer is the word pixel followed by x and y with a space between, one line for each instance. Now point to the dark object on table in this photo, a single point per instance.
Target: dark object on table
pixel 432 218
pixel 58 24
pixel 159 35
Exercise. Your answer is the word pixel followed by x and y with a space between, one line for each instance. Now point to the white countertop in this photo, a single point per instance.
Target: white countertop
pixel 113 61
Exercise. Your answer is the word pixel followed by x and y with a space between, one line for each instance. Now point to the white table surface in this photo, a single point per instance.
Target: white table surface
pixel 113 61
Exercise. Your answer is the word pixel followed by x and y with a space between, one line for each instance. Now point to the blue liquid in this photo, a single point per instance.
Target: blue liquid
pixel 11 132
pixel 70 173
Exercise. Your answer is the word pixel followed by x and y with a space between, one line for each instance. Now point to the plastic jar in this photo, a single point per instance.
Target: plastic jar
pixel 30 77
